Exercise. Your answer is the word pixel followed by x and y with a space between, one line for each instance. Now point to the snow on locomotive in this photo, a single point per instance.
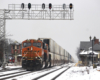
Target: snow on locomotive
pixel 42 53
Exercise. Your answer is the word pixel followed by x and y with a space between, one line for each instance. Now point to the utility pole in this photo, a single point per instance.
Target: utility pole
pixel 92 52
pixel 4 59
pixel 92 48
pixel 15 55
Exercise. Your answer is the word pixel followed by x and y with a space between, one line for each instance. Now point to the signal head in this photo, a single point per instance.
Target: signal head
pixel 22 5
pixel 43 6
pixel 64 6
pixel 29 5
pixel 70 5
pixel 50 5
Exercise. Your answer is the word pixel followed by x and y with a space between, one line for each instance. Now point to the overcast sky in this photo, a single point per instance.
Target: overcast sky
pixel 67 34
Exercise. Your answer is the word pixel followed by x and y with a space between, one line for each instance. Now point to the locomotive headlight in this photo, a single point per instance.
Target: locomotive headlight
pixel 31 48
pixel 36 57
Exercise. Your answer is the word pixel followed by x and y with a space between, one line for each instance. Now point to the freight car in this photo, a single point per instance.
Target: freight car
pixel 42 53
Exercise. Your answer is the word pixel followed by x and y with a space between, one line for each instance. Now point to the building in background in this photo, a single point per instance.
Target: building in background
pixel 9 49
pixel 86 51
pixel 16 51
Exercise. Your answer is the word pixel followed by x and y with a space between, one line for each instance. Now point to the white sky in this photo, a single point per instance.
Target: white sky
pixel 67 34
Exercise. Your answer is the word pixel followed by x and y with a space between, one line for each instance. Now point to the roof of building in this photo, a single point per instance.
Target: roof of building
pixel 84 45
pixel 88 52
pixel 15 43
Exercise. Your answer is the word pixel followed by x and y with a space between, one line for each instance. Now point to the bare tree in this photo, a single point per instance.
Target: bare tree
pixel 7 50
pixel 4 45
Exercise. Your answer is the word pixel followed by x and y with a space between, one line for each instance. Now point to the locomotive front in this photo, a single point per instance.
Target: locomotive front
pixel 32 54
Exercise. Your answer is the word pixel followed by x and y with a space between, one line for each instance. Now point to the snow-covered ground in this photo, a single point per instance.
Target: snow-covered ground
pixel 73 73
pixel 81 73
pixel 35 74
pixel 52 75
pixel 32 75
pixel 11 66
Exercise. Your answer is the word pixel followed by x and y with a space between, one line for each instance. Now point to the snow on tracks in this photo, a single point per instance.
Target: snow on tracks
pixel 42 74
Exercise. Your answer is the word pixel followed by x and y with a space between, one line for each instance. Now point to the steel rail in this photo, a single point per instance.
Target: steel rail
pixel 12 73
pixel 42 70
pixel 46 74
pixel 59 74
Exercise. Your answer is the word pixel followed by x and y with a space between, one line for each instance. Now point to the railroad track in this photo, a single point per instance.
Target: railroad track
pixel 35 74
pixel 60 74
pixel 14 75
pixel 20 73
pixel 45 76
pixel 11 73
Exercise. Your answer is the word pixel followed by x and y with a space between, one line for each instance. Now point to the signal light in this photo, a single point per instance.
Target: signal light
pixel 70 5
pixel 50 5
pixel 64 6
pixel 22 5
pixel 43 6
pixel 29 5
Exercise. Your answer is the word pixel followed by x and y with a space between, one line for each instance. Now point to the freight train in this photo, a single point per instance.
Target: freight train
pixel 42 53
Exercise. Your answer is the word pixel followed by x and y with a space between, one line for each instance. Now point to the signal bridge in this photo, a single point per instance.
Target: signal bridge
pixel 37 12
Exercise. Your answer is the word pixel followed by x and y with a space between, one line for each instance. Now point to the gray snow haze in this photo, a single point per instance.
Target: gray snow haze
pixel 67 33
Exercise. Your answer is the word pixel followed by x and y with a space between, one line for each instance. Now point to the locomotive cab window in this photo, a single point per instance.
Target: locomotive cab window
pixel 44 46
pixel 37 45
pixel 26 44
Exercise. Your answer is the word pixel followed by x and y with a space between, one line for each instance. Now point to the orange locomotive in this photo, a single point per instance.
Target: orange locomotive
pixel 35 55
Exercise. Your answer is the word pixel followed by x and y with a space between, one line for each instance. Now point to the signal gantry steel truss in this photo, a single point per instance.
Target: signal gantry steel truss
pixel 36 12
